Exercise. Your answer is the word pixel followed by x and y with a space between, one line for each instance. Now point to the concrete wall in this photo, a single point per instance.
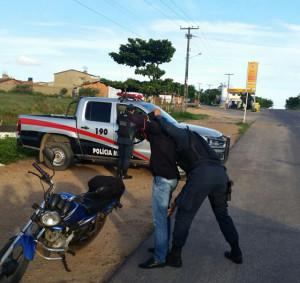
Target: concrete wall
pixel 43 89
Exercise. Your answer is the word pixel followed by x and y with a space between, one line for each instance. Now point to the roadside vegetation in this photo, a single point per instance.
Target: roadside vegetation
pixel 184 116
pixel 10 152
pixel 14 104
pixel 243 127
pixel 293 103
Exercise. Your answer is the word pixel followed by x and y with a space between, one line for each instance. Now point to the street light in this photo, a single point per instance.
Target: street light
pixel 187 75
pixel 195 55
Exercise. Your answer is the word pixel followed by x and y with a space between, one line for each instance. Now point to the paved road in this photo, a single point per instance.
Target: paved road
pixel 265 206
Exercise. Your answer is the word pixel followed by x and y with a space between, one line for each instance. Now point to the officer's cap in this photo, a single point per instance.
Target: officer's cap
pixel 130 107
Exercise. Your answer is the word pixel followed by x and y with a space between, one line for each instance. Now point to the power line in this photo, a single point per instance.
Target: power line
pixel 170 8
pixel 255 44
pixel 160 12
pixel 129 13
pixel 205 43
pixel 96 12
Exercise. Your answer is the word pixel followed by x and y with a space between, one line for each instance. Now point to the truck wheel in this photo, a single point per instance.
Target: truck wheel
pixel 63 156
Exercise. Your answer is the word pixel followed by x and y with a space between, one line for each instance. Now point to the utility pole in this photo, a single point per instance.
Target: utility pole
pixel 189 36
pixel 209 89
pixel 227 100
pixel 199 92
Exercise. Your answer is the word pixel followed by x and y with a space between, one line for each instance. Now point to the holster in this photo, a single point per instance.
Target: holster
pixel 229 190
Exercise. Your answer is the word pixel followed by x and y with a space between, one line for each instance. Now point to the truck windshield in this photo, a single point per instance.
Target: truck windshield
pixel 150 107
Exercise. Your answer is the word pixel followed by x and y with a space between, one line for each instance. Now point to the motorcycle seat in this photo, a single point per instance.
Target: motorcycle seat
pixel 104 191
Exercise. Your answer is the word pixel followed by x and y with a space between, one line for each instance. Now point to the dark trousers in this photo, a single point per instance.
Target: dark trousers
pixel 125 154
pixel 203 181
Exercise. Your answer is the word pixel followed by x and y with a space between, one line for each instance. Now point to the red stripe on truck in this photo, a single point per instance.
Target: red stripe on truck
pixel 33 122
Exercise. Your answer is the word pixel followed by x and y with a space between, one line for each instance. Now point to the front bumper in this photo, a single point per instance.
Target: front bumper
pixel 227 148
pixel 221 147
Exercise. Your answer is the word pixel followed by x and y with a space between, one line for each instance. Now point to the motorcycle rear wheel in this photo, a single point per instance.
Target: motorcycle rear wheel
pixel 83 242
pixel 15 265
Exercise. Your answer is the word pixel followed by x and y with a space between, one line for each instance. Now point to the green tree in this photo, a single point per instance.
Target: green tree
pixel 145 56
pixel 210 96
pixel 191 92
pixel 293 103
pixel 263 102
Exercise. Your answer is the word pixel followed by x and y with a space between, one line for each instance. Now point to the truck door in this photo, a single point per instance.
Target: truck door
pixel 96 129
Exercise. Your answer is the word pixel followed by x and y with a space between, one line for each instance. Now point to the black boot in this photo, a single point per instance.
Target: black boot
pixel 235 254
pixel 174 257
pixel 118 175
pixel 124 174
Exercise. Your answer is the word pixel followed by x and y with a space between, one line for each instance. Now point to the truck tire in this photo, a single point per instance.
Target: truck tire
pixel 63 156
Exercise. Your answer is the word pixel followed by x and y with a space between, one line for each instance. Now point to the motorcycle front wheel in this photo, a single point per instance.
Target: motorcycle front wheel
pixel 15 265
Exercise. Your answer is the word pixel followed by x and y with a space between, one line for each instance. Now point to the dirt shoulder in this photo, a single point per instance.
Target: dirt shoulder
pixel 125 228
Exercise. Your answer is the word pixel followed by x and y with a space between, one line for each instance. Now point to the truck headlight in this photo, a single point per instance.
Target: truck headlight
pixel 216 142
pixel 50 218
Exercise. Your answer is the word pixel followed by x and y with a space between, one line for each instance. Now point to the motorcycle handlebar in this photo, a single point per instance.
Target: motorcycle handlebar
pixel 37 167
pixel 45 176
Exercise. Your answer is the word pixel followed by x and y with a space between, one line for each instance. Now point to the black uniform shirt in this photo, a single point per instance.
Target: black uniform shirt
pixel 163 148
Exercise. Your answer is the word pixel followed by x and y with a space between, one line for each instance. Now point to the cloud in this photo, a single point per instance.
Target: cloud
pixel 23 60
pixel 291 27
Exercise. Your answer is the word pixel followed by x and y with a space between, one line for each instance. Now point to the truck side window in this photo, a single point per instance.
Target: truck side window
pixel 121 108
pixel 98 111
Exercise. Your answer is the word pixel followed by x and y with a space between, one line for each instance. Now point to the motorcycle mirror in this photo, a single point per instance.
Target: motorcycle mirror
pixel 49 154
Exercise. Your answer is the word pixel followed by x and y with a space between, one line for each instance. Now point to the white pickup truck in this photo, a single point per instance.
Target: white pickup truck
pixel 90 133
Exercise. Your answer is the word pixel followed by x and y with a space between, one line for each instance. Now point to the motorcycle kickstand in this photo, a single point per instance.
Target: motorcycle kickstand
pixel 63 258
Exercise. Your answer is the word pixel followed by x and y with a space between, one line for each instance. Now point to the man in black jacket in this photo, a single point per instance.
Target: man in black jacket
pixel 205 177
pixel 164 170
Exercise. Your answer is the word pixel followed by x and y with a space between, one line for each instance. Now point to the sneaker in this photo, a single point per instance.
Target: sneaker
pixel 151 263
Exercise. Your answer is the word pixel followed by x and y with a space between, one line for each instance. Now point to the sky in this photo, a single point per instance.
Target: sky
pixel 40 38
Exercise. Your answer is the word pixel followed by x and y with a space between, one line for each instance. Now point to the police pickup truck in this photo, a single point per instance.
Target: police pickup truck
pixel 91 132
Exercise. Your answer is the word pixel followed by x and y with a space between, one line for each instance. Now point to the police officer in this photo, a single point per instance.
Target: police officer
pixel 205 177
pixel 125 140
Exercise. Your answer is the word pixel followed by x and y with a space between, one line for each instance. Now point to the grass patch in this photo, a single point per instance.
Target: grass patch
pixel 14 104
pixel 183 116
pixel 10 152
pixel 243 127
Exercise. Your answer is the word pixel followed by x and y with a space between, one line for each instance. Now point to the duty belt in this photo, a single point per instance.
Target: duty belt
pixel 205 162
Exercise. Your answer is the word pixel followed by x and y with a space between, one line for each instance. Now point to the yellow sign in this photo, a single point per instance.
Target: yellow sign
pixel 252 76
pixel 240 90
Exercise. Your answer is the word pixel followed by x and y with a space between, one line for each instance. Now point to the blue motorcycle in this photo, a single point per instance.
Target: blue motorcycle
pixel 62 224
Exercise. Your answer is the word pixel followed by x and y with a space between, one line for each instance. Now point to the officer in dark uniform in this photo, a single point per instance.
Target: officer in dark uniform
pixel 205 177
pixel 125 141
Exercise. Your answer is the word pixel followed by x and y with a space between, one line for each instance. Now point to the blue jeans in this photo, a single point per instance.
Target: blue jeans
pixel 162 190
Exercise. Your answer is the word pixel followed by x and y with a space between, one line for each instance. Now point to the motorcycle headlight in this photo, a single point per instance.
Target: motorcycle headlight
pixel 50 218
